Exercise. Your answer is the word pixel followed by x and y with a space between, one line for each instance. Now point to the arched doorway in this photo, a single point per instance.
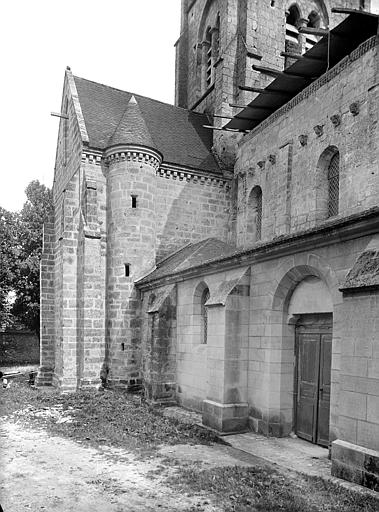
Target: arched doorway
pixel 312 309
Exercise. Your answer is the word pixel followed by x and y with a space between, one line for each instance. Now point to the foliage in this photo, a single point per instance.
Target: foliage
pixel 8 257
pixel 29 233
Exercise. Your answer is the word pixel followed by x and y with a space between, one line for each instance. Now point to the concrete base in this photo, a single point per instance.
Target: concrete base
pixel 225 417
pixel 355 464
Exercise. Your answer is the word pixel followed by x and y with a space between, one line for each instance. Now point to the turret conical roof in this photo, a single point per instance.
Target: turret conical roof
pixel 132 128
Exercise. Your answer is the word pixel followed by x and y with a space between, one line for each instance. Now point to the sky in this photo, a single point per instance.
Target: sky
pixel 128 44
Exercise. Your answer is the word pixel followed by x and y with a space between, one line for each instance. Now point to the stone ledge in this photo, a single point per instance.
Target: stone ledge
pixel 356 464
pixel 225 417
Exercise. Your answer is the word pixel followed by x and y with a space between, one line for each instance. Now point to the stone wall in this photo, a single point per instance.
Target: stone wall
pixel 359 376
pixel 268 351
pixel 189 208
pixel 284 154
pixel 159 345
pixel 47 302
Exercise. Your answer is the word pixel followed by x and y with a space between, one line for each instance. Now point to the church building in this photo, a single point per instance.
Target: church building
pixel 223 253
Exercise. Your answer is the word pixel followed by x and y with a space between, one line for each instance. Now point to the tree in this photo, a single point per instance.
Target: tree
pixel 8 257
pixel 29 233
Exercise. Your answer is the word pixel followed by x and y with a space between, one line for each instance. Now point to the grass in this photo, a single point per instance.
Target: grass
pixel 117 419
pixel 242 489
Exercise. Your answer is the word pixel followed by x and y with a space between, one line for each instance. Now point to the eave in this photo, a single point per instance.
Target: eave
pixel 330 232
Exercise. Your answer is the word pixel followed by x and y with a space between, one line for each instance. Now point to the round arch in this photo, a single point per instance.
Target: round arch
pixel 280 338
pixel 208 18
pixel 293 14
pixel 293 276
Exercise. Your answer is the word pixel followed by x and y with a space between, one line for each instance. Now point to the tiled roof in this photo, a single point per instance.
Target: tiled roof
pixel 190 256
pixel 132 128
pixel 176 132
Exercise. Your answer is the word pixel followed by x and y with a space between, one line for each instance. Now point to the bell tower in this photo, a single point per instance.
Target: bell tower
pixel 224 44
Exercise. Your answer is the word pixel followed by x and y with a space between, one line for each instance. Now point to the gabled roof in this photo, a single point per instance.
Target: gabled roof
pixel 190 256
pixel 326 53
pixel 132 128
pixel 176 132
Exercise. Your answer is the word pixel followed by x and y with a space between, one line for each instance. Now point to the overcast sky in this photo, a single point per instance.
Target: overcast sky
pixel 128 44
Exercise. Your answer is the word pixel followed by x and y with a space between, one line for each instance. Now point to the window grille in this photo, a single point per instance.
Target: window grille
pixel 204 314
pixel 333 185
pixel 259 215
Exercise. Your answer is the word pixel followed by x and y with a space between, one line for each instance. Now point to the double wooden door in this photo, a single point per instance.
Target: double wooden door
pixel 312 395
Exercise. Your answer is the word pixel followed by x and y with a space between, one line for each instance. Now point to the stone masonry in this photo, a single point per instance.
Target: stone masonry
pixel 233 271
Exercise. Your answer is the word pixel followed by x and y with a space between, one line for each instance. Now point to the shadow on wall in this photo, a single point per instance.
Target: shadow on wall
pixel 190 211
pixel 19 347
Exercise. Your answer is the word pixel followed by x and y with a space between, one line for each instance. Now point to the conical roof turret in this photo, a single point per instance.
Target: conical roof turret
pixel 132 128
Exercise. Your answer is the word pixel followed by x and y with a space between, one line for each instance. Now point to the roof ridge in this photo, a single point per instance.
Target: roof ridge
pixel 141 96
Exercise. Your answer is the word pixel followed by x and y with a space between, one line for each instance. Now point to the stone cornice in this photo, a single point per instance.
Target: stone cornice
pixel 90 156
pixel 338 230
pixel 133 153
pixel 197 176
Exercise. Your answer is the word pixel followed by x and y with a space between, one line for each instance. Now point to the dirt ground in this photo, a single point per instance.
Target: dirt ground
pixel 56 474
pixel 109 451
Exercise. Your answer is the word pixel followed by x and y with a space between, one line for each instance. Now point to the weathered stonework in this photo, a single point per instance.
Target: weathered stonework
pixel 203 266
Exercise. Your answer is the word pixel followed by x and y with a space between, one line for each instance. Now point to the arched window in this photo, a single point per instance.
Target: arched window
pixel 200 313
pixel 204 316
pixel 292 44
pixel 333 185
pixel 208 45
pixel 254 216
pixel 327 184
pixel 211 50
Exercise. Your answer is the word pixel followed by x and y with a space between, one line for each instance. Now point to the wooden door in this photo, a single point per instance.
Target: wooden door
pixel 314 350
pixel 324 390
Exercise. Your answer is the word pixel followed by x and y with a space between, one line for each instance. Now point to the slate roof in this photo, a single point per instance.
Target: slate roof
pixel 176 132
pixel 190 256
pixel 132 128
pixel 365 272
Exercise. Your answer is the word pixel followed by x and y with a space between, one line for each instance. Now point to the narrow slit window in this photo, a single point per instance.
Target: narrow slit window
pixel 204 315
pixel 127 269
pixel 333 185
pixel 134 201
